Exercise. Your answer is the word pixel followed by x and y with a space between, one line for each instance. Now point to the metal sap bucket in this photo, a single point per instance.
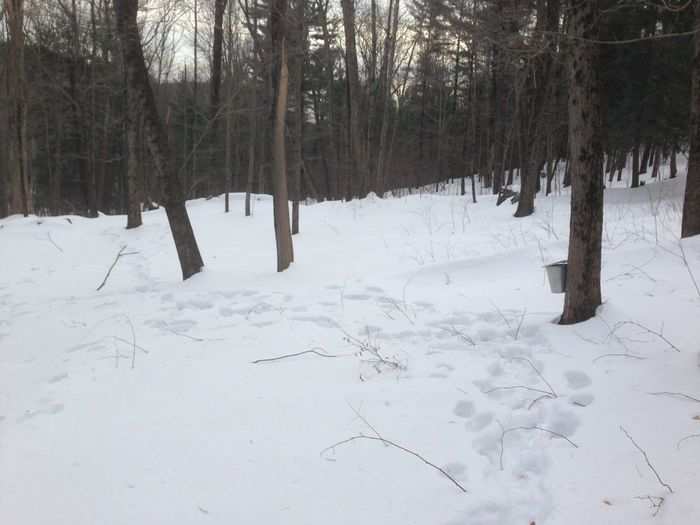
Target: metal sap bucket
pixel 556 273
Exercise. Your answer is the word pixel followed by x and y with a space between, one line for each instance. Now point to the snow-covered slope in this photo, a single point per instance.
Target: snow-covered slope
pixel 142 404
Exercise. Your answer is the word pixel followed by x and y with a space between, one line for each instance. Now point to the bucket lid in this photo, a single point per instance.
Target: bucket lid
pixel 563 262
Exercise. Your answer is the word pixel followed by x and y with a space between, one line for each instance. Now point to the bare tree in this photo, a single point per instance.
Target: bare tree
pixel 583 294
pixel 139 88
pixel 278 35
pixel 20 191
pixel 691 204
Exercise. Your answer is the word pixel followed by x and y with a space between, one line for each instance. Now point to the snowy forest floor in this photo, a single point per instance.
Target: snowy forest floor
pixel 142 403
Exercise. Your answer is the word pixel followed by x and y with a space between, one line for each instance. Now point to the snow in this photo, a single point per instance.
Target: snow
pixel 141 403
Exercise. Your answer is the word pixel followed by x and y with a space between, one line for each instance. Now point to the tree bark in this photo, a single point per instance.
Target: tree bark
pixel 139 88
pixel 133 200
pixel 583 293
pixel 19 186
pixel 283 233
pixel 691 203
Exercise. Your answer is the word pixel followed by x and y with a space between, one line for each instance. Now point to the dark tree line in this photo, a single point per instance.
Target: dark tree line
pixel 387 95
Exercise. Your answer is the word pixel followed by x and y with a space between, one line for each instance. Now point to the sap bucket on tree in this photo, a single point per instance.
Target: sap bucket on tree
pixel 556 272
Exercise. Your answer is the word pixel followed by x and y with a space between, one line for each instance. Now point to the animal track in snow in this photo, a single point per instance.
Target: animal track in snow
pixel 463 409
pixel 577 379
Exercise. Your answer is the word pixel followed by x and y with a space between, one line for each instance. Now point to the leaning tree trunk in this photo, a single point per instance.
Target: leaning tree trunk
pixel 583 294
pixel 691 204
pixel 140 90
pixel 280 196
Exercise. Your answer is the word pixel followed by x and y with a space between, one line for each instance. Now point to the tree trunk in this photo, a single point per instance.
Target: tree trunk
pixel 674 164
pixel 19 185
pixel 691 203
pixel 139 88
pixel 353 82
pixel 215 93
pixel 283 233
pixel 386 78
pixel 298 132
pixel 583 293
pixel 133 213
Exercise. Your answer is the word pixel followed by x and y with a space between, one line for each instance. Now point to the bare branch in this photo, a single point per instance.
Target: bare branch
pixel 515 429
pixel 646 458
pixel 404 449
pixel 285 356
pixel 121 254
pixel 675 394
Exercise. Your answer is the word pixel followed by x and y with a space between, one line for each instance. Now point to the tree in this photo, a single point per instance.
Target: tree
pixel 583 293
pixel 140 91
pixel 283 232
pixel 353 84
pixel 691 203
pixel 20 191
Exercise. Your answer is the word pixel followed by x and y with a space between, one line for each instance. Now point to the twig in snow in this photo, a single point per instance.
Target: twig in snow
pixel 515 429
pixel 655 501
pixel 686 438
pixel 453 331
pixel 687 267
pixel 646 458
pixel 121 254
pixel 539 374
pixel 133 341
pixel 364 420
pixel 404 449
pixel 377 360
pixel 130 343
pixel 659 334
pixel 285 356
pixel 48 235
pixel 518 387
pixel 675 394
pixel 520 324
pixel 631 356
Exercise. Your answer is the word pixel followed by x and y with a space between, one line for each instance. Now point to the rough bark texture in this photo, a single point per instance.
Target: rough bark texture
pixel 139 88
pixel 583 294
pixel 691 204
pixel 133 202
pixel 283 232
pixel 19 185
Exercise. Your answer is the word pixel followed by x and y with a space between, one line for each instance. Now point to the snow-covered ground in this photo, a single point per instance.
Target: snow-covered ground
pixel 141 403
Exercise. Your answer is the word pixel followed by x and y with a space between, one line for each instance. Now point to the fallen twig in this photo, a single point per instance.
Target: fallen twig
pixel 453 331
pixel 514 429
pixel 404 449
pixel 648 462
pixel 686 438
pixel 675 394
pixel 655 501
pixel 631 356
pixel 48 235
pixel 285 356
pixel 660 334
pixel 116 260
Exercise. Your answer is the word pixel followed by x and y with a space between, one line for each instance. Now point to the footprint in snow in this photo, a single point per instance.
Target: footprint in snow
pixel 479 422
pixel 581 400
pixel 577 379
pixel 463 409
